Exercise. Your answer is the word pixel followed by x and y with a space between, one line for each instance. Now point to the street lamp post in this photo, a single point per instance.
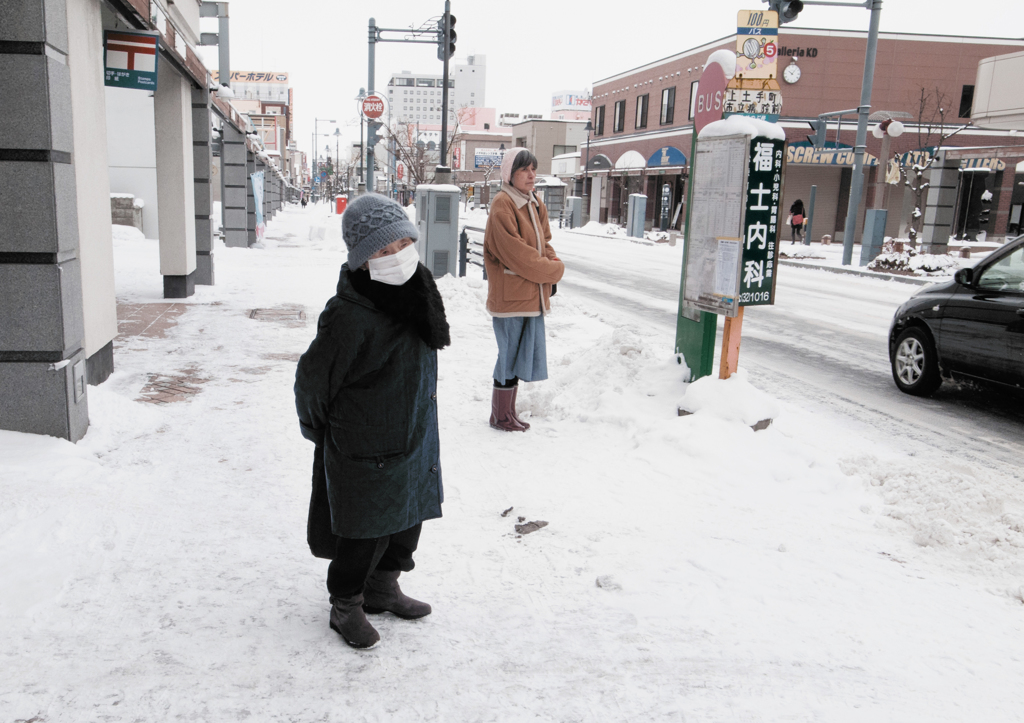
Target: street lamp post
pixel 361 97
pixel 316 132
pixel 586 168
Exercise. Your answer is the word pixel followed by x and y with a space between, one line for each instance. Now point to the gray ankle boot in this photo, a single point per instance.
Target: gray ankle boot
pixel 349 621
pixel 382 594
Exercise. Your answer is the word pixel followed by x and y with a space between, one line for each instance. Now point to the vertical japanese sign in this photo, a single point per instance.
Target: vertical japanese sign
pixel 761 222
pixel 755 90
pixel 130 60
pixel 257 194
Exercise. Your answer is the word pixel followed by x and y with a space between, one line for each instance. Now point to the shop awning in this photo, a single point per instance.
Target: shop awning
pixel 630 161
pixel 600 162
pixel 666 156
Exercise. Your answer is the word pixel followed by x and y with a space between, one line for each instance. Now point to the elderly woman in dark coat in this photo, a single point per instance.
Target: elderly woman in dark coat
pixel 366 395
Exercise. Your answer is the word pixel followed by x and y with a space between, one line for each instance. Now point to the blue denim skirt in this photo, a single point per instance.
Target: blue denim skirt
pixel 522 351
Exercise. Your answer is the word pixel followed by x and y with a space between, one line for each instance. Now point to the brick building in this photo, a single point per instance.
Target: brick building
pixel 642 122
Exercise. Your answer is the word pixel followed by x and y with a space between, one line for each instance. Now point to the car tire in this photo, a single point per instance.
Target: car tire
pixel 915 364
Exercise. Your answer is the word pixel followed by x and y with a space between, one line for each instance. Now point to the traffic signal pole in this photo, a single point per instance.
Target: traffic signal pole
pixel 857 185
pixel 444 81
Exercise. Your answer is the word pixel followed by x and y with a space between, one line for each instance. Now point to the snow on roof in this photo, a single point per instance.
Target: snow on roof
pixel 565 155
pixel 739 125
pixel 549 181
pixel 726 59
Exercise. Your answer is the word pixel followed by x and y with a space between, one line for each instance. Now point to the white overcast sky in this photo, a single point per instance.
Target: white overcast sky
pixel 533 47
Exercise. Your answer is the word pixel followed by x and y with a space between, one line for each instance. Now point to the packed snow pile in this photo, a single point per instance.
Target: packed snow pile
pixel 733 400
pixel 899 257
pixel 126 233
pixel 612 230
pixel 799 251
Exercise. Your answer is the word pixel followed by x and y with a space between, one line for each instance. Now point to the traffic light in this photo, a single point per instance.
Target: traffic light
pixel 452 36
pixel 787 9
pixel 818 139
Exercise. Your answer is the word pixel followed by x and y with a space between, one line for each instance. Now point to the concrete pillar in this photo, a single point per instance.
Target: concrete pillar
pixel 943 178
pixel 175 182
pixel 202 164
pixel 92 183
pixel 42 354
pixel 266 192
pixel 250 199
pixel 236 185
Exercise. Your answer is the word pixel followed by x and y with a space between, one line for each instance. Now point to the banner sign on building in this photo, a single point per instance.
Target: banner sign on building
pixel 130 60
pixel 761 222
pixel 257 194
pixel 803 153
pixel 569 100
pixel 487 157
pixel 249 76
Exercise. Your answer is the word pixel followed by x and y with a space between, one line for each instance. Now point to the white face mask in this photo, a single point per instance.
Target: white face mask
pixel 395 269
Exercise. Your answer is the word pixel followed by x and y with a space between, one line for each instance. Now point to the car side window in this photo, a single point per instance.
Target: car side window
pixel 1007 274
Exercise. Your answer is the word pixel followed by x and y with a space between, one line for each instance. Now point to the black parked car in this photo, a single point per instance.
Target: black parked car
pixel 972 326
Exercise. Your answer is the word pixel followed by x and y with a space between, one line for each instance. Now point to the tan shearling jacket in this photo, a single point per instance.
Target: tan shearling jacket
pixel 520 262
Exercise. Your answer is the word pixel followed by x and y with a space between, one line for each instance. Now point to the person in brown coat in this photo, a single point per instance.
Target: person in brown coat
pixel 521 270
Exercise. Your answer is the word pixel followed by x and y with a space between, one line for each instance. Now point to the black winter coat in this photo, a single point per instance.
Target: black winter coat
pixel 366 395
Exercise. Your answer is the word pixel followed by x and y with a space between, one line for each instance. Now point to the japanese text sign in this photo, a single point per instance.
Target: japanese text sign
pixel 130 60
pixel 761 222
pixel 757 43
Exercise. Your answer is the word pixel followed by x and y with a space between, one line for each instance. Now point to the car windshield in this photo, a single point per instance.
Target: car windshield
pixel 1007 274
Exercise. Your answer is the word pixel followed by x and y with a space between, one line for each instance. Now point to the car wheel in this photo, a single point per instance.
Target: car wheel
pixel 915 365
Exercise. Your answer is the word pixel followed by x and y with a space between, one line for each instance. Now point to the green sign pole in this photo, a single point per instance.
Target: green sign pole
pixel 695 337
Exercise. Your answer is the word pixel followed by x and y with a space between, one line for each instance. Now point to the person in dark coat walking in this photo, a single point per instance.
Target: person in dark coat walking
pixel 796 221
pixel 366 396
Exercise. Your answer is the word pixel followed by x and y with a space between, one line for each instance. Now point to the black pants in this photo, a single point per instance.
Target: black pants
pixel 354 560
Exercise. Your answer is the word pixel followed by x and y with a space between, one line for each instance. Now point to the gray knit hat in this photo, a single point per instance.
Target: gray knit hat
pixel 370 223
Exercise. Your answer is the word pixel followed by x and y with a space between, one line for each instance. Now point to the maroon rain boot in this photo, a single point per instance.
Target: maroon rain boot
pixel 501 411
pixel 515 415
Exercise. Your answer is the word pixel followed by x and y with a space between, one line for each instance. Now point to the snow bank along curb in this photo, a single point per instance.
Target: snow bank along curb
pixel 867 274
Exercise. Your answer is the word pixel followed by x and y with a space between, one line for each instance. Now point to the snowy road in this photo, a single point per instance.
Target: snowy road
pixel 822 344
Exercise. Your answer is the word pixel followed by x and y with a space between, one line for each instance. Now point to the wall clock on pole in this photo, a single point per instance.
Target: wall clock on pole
pixel 792 73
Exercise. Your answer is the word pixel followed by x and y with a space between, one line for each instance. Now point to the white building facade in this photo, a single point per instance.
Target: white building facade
pixel 418 97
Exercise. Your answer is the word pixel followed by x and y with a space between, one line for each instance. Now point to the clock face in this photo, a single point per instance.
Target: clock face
pixel 792 73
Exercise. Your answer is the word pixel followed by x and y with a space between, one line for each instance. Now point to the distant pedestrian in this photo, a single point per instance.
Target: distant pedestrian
pixel 366 395
pixel 303 200
pixel 522 269
pixel 796 221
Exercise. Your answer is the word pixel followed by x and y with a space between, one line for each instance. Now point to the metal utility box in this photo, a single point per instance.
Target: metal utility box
pixel 574 206
pixel 874 235
pixel 437 218
pixel 637 215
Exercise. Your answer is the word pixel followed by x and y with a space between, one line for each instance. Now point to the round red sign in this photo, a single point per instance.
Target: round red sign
pixel 710 101
pixel 373 107
pixel 770 50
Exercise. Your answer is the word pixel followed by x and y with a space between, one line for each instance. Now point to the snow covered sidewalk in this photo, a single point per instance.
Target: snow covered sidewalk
pixel 692 569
